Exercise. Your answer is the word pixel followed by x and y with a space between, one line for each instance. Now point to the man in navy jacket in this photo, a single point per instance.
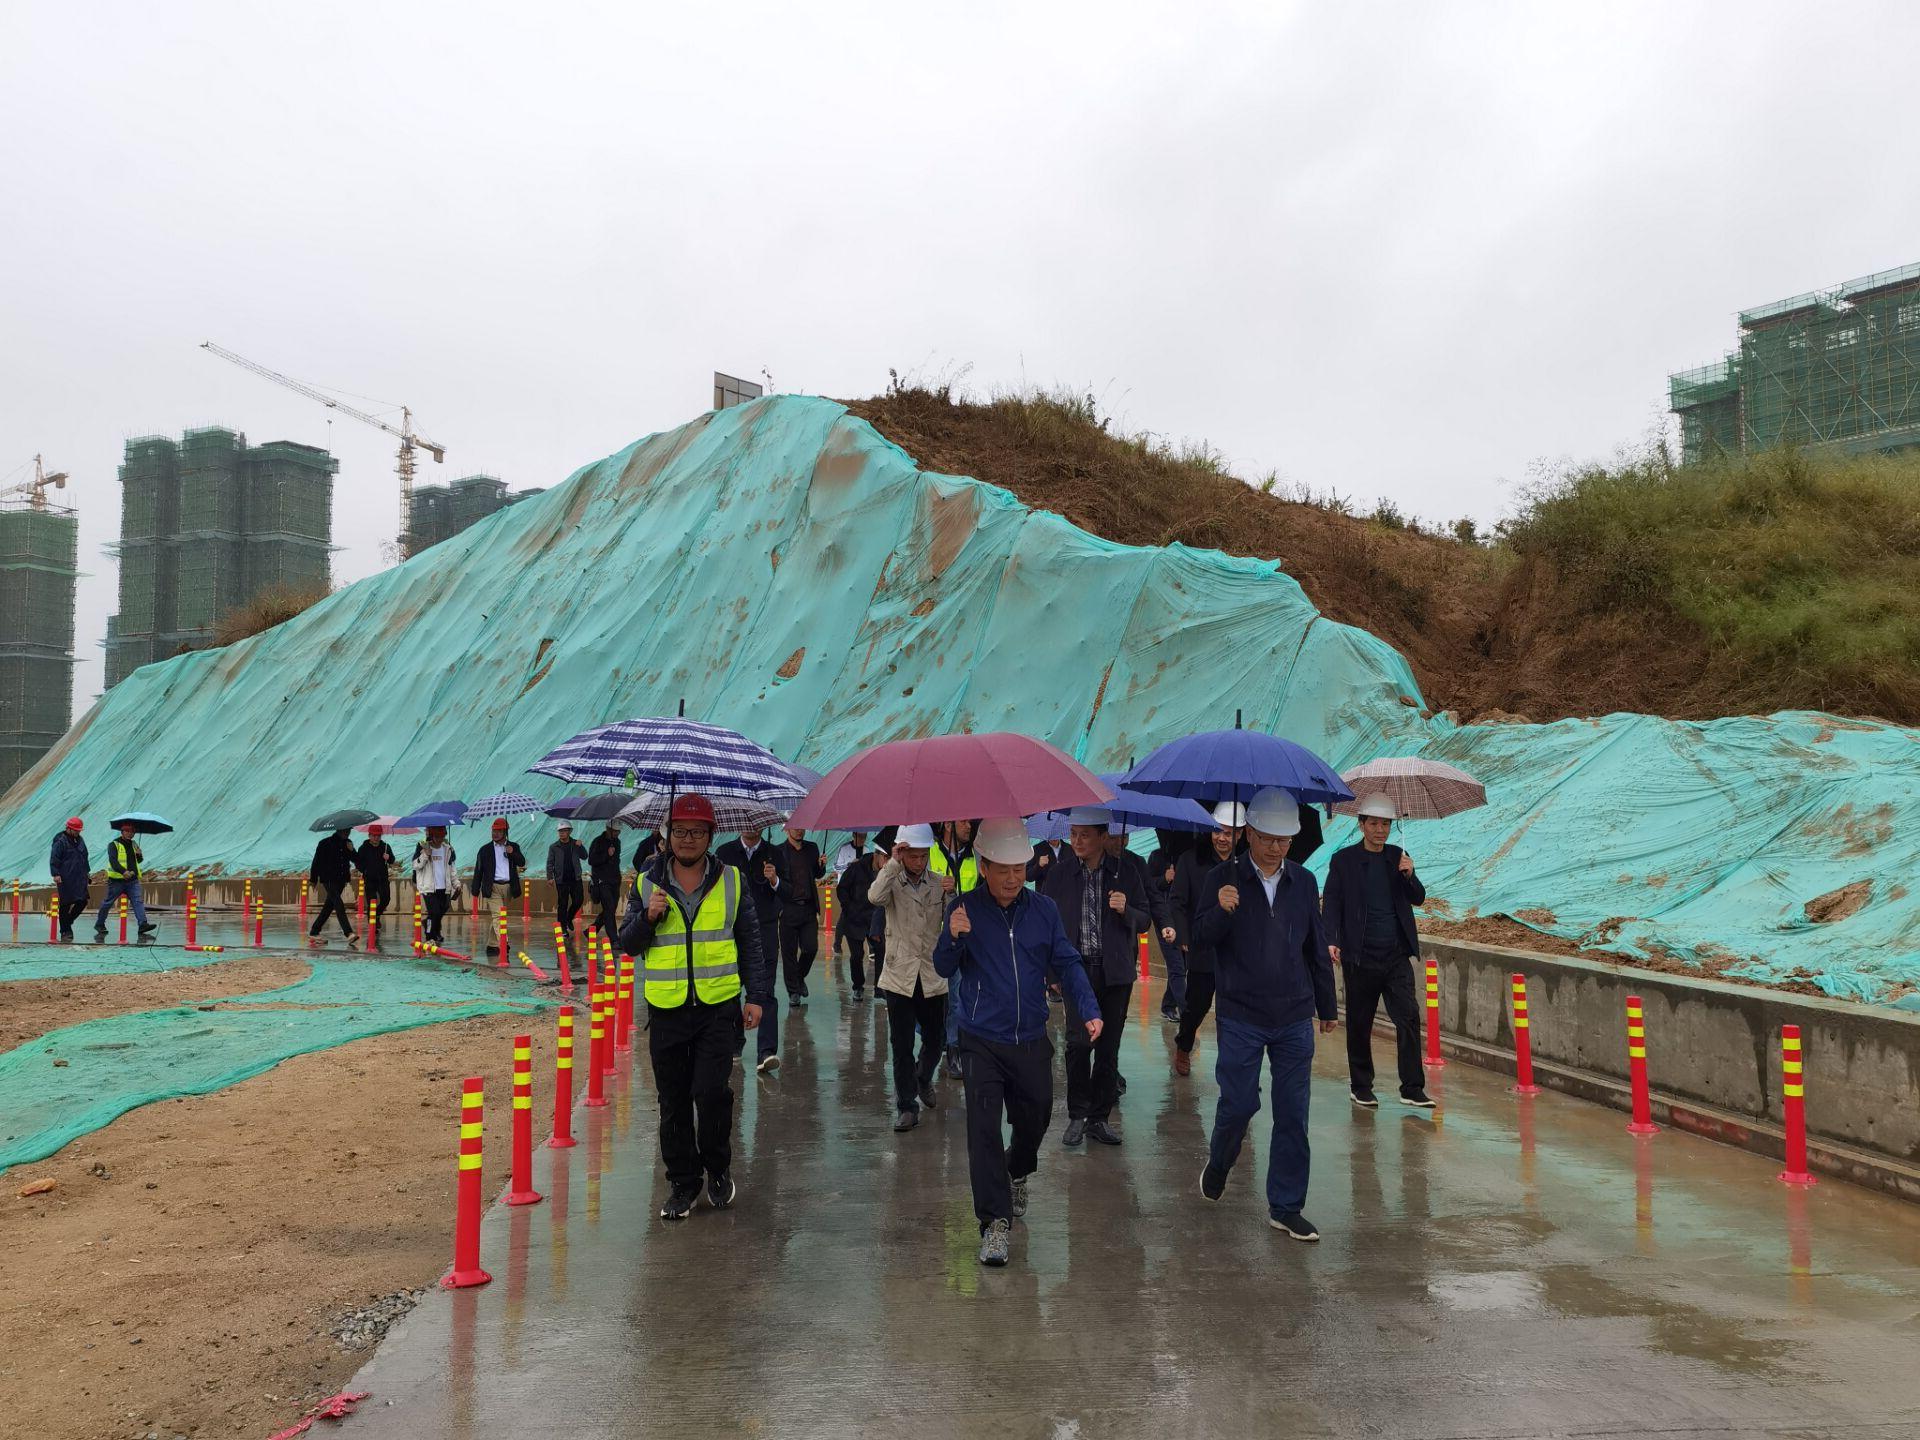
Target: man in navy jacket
pixel 1371 892
pixel 999 947
pixel 1272 977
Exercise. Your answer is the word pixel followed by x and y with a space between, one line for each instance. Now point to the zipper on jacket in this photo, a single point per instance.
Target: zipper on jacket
pixel 1013 956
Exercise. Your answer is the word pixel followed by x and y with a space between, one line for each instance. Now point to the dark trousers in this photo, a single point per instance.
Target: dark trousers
pixel 692 1048
pixel 1199 1002
pixel 1093 1066
pixel 856 952
pixel 437 902
pixel 606 899
pixel 334 905
pixel 799 943
pixel 1175 959
pixel 71 910
pixel 1011 1080
pixel 1289 1051
pixel 379 900
pixel 906 1015
pixel 567 900
pixel 767 1033
pixel 1368 984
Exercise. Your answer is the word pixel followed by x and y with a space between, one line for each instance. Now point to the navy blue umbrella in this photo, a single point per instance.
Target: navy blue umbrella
pixel 440 812
pixel 1218 765
pixel 1134 809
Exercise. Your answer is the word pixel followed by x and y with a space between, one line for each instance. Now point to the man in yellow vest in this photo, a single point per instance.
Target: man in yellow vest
pixel 123 878
pixel 691 922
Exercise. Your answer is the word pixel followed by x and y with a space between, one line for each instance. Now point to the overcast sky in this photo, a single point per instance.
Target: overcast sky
pixel 1403 250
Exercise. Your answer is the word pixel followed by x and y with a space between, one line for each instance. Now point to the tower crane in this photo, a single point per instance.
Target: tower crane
pixel 409 437
pixel 36 489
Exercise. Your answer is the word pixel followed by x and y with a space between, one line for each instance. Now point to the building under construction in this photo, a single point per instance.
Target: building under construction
pixel 443 511
pixel 39 547
pixel 1835 368
pixel 207 523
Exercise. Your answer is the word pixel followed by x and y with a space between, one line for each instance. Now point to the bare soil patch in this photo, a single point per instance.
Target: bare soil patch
pixel 29 1008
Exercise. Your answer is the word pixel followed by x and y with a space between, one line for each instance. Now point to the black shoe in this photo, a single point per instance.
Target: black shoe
pixel 720 1191
pixel 1365 1099
pixel 794 1002
pixel 1172 1017
pixel 927 1097
pixel 1076 1132
pixel 1416 1099
pixel 1103 1132
pixel 953 1062
pixel 1119 1084
pixel 859 995
pixel 905 1121
pixel 353 942
pixel 148 929
pixel 66 937
pixel 1213 1183
pixel 1294 1223
pixel 680 1200
pixel 99 932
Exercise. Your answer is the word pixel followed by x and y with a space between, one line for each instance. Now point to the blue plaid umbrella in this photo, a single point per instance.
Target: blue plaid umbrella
pixel 495 807
pixel 672 754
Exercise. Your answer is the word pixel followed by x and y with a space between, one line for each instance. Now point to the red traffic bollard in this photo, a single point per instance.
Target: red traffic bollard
pixel 526 905
pixel 1434 1058
pixel 123 919
pixel 560 957
pixel 563 1085
pixel 53 918
pixel 1793 1105
pixel 1145 974
pixel 259 921
pixel 1642 1123
pixel 466 1213
pixel 303 903
pixel 1522 1041
pixel 610 999
pixel 596 1037
pixel 521 1192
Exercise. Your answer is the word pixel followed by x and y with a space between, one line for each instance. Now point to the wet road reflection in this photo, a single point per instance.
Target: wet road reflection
pixel 1503 1265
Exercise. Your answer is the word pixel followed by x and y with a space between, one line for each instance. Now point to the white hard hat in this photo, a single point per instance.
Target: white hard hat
pixel 1379 805
pixel 1274 812
pixel 1087 815
pixel 1230 814
pixel 914 837
pixel 1003 841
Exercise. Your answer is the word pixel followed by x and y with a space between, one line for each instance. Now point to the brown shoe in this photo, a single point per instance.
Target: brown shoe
pixel 1182 1062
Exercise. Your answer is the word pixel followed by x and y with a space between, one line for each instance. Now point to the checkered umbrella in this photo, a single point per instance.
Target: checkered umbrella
pixel 676 755
pixel 731 813
pixel 1419 789
pixel 495 807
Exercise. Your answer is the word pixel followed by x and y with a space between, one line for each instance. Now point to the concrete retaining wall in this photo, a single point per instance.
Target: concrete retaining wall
pixel 1713 1053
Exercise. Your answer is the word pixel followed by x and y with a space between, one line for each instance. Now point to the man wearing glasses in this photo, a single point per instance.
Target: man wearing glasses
pixel 693 923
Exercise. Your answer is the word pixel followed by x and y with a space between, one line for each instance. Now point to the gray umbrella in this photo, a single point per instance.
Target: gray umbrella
pixel 344 819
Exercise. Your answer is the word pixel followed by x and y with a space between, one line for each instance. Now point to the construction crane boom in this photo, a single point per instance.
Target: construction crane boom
pixel 36 489
pixel 409 437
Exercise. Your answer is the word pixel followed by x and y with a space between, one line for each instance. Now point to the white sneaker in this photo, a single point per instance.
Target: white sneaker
pixel 768 1064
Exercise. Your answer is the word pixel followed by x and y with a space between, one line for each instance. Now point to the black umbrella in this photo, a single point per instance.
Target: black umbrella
pixel 343 819
pixel 144 822
pixel 604 807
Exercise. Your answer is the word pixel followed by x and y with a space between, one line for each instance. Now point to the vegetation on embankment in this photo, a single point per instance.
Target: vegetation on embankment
pixel 1778 582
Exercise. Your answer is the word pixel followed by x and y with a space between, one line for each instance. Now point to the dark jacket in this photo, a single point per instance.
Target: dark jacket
pixel 756 966
pixel 603 856
pixel 999 970
pixel 374 861
pixel 1119 931
pixel 1271 966
pixel 766 898
pixel 332 864
pixel 801 868
pixel 856 910
pixel 1159 909
pixel 645 850
pixel 1036 872
pixel 1190 896
pixel 1343 912
pixel 68 866
pixel 565 859
pixel 483 867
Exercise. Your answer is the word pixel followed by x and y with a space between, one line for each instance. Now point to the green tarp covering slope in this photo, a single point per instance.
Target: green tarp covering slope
pixel 786 571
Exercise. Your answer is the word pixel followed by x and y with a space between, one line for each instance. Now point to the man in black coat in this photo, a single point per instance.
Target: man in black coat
pixel 855 922
pixel 374 861
pixel 566 862
pixel 1368 916
pixel 603 869
pixel 1103 910
pixel 331 870
pixel 801 869
pixel 499 862
pixel 1046 854
pixel 1189 897
pixel 71 871
pixel 750 854
pixel 1161 866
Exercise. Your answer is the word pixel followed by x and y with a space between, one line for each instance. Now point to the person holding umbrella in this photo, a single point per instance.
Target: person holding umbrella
pixel 1191 896
pixel 123 878
pixel 1274 977
pixel 71 870
pixel 332 868
pixel 566 859
pixel 1001 944
pixel 434 878
pixel 691 919
pixel 603 871
pixel 374 860
pixel 1368 911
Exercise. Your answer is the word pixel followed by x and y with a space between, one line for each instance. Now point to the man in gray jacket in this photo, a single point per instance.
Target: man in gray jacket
pixel 916 992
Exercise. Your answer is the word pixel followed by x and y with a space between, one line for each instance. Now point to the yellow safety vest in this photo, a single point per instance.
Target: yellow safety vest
pixel 123 862
pixel 969 869
pixel 707 956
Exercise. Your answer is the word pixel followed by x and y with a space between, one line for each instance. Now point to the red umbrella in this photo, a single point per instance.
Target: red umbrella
pixel 948 777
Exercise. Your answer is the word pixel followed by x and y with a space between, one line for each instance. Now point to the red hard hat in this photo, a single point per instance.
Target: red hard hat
pixel 500 824
pixel 376 829
pixel 73 822
pixel 692 807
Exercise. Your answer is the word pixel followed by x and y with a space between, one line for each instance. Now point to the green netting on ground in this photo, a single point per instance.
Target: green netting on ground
pixel 65 962
pixel 785 570
pixel 119 1062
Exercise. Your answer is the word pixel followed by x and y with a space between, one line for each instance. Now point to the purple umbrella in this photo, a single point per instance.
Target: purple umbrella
pixel 947 777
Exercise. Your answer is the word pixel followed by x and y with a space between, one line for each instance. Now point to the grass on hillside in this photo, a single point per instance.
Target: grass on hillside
pixel 266 610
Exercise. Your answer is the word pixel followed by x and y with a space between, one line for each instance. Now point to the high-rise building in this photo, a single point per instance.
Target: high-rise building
pixel 39 547
pixel 1831 369
pixel 206 524
pixel 443 511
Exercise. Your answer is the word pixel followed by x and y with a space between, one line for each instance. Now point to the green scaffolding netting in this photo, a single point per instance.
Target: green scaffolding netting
pixel 119 1062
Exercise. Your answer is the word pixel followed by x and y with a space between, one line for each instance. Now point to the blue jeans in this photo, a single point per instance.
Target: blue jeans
pixel 1289 1049
pixel 1175 959
pixel 115 889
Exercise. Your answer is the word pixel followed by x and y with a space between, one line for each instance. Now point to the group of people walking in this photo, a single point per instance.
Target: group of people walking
pixel 975 932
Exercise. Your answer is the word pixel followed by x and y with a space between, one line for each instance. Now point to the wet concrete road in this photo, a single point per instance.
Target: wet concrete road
pixel 1500 1267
